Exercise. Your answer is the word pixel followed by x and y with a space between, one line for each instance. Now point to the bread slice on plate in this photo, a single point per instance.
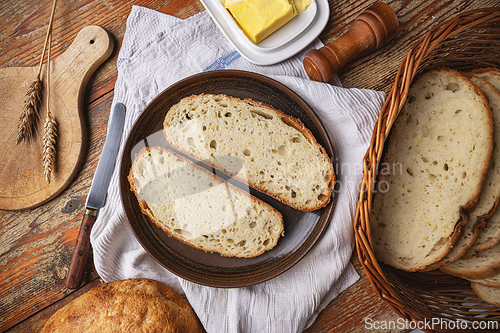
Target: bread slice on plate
pixel 490 234
pixel 433 170
pixel 193 205
pixel 483 265
pixel 256 144
pixel 490 295
pixel 490 193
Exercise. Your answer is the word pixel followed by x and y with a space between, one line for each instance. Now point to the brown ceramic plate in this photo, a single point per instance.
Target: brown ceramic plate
pixel 302 230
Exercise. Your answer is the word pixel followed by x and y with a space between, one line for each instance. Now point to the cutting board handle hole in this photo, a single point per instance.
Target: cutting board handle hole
pixel 91 41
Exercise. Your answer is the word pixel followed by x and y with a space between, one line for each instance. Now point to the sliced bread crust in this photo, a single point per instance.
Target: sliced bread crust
pixel 491 75
pixel 442 142
pixel 483 265
pixel 256 144
pixel 489 236
pixel 490 295
pixel 490 193
pixel 193 205
pixel 492 281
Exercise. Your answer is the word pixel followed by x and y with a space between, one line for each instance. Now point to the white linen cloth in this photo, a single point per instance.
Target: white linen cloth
pixel 157 51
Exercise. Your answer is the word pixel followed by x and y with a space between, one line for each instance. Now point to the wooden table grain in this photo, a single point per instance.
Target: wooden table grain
pixel 36 244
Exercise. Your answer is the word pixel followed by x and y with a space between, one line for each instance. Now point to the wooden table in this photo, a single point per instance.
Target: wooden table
pixel 36 244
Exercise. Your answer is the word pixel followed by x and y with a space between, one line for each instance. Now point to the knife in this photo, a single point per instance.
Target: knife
pixel 96 197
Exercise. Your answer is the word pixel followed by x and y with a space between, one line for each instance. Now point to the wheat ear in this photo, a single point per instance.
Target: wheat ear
pixel 26 126
pixel 49 146
pixel 49 131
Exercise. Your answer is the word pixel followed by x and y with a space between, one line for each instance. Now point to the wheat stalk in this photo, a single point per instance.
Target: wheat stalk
pixel 26 126
pixel 27 121
pixel 49 145
pixel 49 130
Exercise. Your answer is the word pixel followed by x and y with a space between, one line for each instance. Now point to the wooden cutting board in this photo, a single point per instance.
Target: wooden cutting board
pixel 22 182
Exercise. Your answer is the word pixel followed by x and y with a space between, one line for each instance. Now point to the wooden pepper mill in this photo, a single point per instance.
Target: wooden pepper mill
pixel 370 30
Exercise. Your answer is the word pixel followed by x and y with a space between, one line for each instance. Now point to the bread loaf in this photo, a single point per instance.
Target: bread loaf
pixel 488 294
pixel 437 158
pixel 193 205
pixel 490 192
pixel 255 143
pixel 136 305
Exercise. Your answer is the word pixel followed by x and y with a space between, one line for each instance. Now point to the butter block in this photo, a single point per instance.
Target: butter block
pixel 260 18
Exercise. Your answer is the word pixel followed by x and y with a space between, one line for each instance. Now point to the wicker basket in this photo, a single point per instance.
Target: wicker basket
pixel 470 40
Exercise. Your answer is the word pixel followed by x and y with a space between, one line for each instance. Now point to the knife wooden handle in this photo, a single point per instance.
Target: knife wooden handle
pixel 370 30
pixel 76 269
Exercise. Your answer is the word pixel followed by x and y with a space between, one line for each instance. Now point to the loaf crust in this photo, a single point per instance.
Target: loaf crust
pixel 135 305
pixel 444 132
pixel 274 152
pixel 194 206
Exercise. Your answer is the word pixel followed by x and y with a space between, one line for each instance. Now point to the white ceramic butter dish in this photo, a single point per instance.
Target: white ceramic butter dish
pixel 283 43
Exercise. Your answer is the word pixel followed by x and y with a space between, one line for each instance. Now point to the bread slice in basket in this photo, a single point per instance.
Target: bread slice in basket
pixel 491 75
pixel 488 294
pixel 490 193
pixel 434 167
pixel 256 144
pixel 483 265
pixel 492 281
pixel 489 236
pixel 193 205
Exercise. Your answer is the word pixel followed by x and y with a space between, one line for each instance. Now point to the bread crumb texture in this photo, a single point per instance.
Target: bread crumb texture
pixel 193 205
pixel 133 306
pixel 254 143
pixel 435 164
pixel 485 208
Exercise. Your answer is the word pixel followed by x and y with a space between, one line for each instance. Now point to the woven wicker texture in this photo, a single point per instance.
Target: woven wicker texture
pixel 468 41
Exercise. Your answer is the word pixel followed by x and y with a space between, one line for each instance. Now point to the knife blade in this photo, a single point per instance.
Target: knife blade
pixel 96 197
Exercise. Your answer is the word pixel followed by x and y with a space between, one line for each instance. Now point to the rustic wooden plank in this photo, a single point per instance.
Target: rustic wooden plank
pixel 182 9
pixel 36 245
pixel 24 25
